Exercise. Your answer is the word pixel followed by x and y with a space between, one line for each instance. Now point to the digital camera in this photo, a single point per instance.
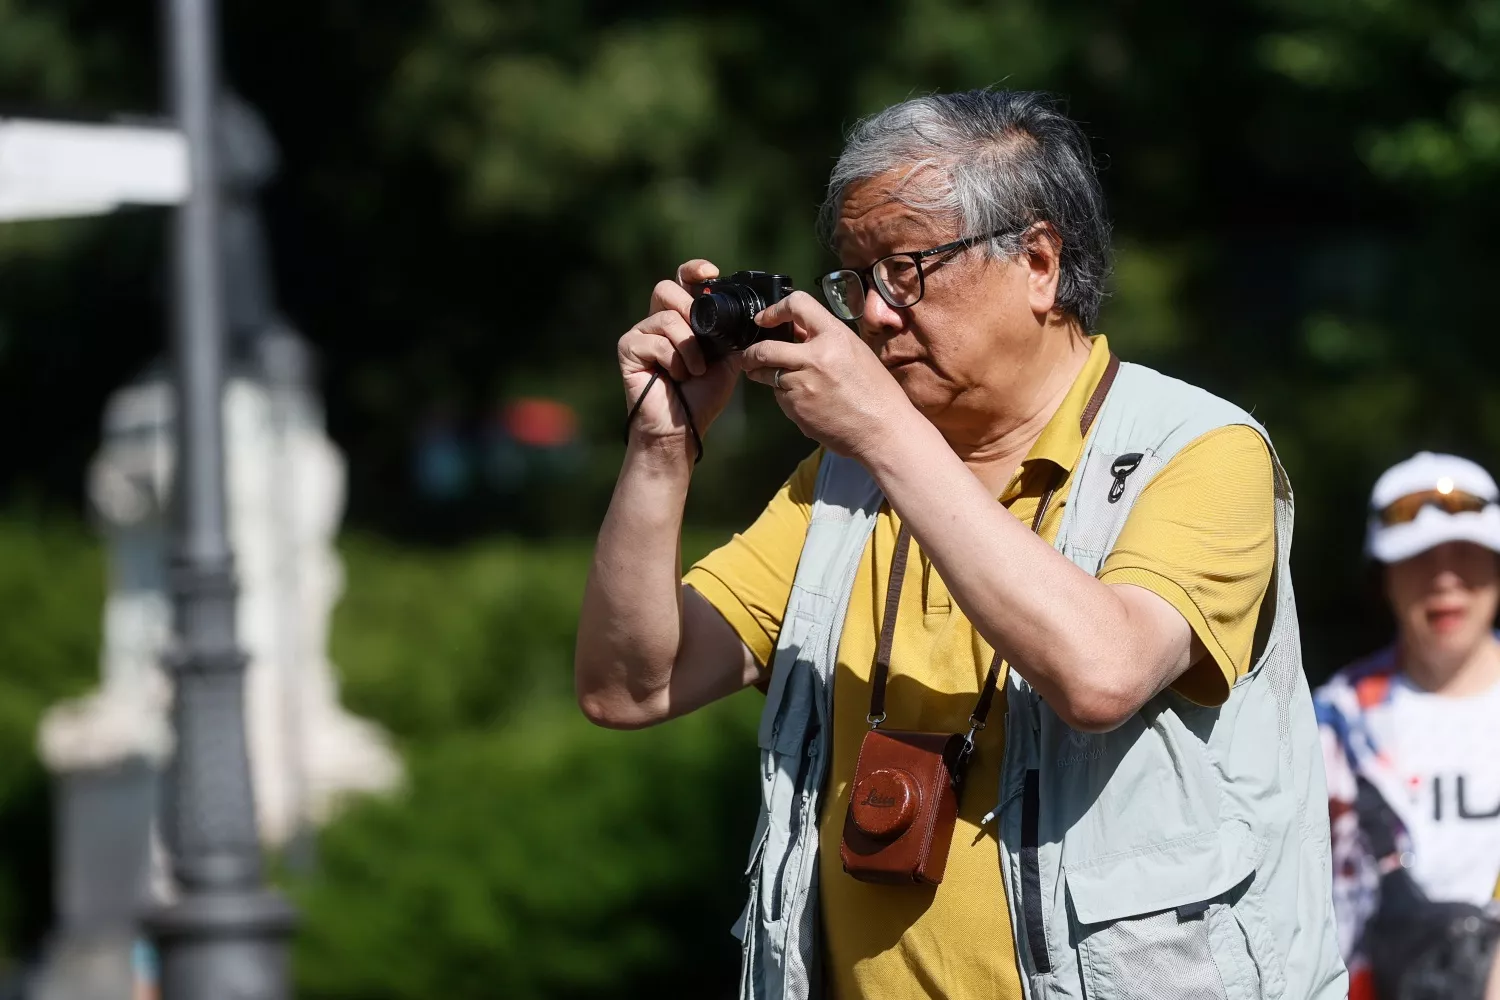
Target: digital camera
pixel 723 314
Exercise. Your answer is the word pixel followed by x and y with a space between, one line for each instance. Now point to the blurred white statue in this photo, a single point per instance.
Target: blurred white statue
pixel 285 500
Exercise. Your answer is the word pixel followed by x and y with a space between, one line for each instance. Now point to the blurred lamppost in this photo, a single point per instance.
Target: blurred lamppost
pixel 225 936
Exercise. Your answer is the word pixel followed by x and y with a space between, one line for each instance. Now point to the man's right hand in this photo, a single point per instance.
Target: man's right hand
pixel 649 648
pixel 665 340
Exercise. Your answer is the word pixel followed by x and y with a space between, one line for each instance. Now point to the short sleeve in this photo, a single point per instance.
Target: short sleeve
pixel 1202 536
pixel 748 579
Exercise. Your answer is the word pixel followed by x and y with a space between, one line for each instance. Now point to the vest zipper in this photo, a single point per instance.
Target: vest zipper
pixel 1031 874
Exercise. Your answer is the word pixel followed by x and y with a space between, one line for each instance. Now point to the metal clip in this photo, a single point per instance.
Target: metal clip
pixel 961 765
pixel 1121 469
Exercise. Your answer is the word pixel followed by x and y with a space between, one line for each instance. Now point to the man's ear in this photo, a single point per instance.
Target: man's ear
pixel 1042 253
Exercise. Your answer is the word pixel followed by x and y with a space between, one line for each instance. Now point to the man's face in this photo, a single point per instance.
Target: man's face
pixel 1445 600
pixel 976 324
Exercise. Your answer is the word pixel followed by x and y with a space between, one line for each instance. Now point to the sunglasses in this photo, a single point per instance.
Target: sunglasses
pixel 1451 501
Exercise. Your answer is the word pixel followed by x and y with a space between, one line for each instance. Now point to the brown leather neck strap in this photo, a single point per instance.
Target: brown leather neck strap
pixel 882 667
pixel 888 626
pixel 1096 401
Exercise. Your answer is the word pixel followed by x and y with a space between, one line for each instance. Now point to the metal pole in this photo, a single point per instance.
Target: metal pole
pixel 225 936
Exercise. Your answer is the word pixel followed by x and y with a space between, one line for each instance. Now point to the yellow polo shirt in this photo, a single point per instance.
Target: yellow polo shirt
pixel 1201 535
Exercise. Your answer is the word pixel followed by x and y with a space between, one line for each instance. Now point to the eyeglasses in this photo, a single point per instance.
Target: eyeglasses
pixel 898 279
pixel 1444 497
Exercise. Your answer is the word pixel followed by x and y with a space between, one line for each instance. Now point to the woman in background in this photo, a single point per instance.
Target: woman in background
pixel 1411 738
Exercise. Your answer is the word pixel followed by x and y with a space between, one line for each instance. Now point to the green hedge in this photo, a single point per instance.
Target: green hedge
pixel 529 853
pixel 532 854
pixel 51 593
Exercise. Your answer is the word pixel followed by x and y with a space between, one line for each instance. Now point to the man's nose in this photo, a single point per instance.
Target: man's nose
pixel 880 316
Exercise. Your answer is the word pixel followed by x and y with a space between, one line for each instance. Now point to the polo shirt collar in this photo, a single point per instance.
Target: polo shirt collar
pixel 1061 441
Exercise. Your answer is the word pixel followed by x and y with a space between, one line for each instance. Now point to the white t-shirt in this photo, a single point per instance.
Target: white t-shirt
pixel 1449 749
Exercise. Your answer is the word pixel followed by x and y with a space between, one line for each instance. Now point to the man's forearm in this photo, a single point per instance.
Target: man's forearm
pixel 630 624
pixel 1073 638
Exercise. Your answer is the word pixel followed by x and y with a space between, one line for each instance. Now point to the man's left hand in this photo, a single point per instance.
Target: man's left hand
pixel 829 381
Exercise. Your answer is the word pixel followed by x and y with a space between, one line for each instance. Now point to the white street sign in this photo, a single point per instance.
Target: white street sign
pixel 56 169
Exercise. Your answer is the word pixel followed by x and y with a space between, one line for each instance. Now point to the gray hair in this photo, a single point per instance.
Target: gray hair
pixel 993 160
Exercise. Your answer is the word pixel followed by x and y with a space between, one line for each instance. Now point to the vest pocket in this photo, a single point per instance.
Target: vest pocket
pixel 1162 956
pixel 1136 944
pixel 802 835
pixel 1234 954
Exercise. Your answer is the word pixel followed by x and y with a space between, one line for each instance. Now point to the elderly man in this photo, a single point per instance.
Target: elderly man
pixel 1036 723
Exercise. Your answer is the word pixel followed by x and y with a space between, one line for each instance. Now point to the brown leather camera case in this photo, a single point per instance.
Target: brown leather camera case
pixel 902 807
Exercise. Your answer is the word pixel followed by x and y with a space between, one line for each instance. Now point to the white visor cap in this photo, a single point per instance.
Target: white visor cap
pixel 1432 526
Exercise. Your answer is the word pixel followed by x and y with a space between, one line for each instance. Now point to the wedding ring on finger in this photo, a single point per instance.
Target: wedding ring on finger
pixel 776 379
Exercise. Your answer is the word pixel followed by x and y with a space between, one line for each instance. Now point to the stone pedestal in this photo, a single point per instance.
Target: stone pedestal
pixel 104 817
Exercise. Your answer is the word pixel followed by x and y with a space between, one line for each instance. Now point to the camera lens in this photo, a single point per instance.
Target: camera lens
pixel 724 318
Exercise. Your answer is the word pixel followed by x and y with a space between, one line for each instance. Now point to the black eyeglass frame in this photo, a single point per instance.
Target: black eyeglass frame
pixel 867 274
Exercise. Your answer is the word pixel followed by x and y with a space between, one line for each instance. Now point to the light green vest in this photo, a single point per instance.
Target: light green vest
pixel 1183 855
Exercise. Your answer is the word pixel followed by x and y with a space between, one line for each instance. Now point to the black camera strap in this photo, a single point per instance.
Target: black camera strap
pixel 659 375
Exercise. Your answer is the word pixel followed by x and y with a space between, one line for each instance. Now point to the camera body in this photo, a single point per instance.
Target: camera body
pixel 723 314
